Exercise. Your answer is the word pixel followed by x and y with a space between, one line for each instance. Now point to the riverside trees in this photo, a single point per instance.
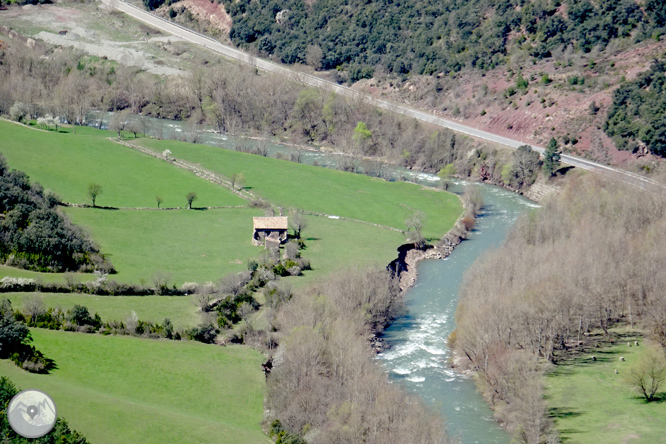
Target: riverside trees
pixel 236 99
pixel 591 258
pixel 324 377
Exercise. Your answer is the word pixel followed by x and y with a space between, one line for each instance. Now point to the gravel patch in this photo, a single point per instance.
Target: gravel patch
pixel 117 51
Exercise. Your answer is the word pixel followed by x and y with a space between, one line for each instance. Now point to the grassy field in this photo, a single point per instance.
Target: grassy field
pixel 591 404
pixel 190 245
pixel 66 163
pixel 323 190
pixel 121 389
pixel 181 310
pixel 334 244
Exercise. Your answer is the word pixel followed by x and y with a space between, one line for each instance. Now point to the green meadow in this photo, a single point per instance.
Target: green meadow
pixel 181 310
pixel 127 389
pixel 198 245
pixel 189 245
pixel 591 404
pixel 66 163
pixel 119 389
pixel 334 244
pixel 323 190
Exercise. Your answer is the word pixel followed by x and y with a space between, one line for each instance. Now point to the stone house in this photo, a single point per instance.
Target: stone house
pixel 269 230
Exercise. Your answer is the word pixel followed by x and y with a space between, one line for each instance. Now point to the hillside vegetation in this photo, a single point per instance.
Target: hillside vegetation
pixel 433 37
pixel 637 119
pixel 180 310
pixel 34 235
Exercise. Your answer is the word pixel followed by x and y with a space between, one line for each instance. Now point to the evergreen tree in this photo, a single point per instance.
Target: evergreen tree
pixel 551 158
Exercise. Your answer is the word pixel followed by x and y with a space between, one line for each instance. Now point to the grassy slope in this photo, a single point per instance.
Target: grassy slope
pixel 593 405
pixel 67 163
pixel 190 245
pixel 181 310
pixel 326 191
pixel 131 390
pixel 334 244
pixel 204 245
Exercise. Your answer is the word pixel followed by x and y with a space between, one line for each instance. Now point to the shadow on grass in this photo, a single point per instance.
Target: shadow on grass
pixel 564 432
pixel 50 365
pixel 563 413
pixel 659 398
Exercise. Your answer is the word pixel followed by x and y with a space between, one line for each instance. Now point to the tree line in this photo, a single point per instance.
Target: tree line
pixel 34 235
pixel 234 99
pixel 358 38
pixel 590 259
pixel 325 385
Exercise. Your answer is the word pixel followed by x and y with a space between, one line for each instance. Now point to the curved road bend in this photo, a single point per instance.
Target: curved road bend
pixel 310 80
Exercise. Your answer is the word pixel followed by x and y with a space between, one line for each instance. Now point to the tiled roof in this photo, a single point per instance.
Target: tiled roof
pixel 274 223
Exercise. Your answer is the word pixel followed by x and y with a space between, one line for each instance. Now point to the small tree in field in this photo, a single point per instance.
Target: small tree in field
pixel 415 222
pixel 94 190
pixel 237 179
pixel 159 200
pixel 297 223
pixel 191 197
pixel 118 122
pixel 649 373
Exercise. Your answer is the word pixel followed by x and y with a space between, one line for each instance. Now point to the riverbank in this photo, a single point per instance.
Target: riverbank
pixel 418 356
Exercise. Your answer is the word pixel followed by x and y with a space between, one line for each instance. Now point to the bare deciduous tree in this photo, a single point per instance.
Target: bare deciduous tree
pixel 649 373
pixel 297 223
pixel 237 179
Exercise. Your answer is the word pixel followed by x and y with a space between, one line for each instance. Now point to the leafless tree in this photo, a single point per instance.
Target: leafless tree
pixel 237 179
pixel 297 223
pixel 649 373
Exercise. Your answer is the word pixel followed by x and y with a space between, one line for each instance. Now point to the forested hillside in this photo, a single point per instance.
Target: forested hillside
pixel 637 118
pixel 429 37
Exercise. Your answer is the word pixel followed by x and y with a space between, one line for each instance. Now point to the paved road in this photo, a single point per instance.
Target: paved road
pixel 310 80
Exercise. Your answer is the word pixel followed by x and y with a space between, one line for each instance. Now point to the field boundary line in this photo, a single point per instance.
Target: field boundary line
pixel 204 173
pixel 334 217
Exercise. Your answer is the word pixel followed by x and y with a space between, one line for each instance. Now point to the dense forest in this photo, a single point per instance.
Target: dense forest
pixel 34 235
pixel 431 37
pixel 637 118
pixel 591 259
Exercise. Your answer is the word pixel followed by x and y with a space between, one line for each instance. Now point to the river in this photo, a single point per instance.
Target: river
pixel 418 357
